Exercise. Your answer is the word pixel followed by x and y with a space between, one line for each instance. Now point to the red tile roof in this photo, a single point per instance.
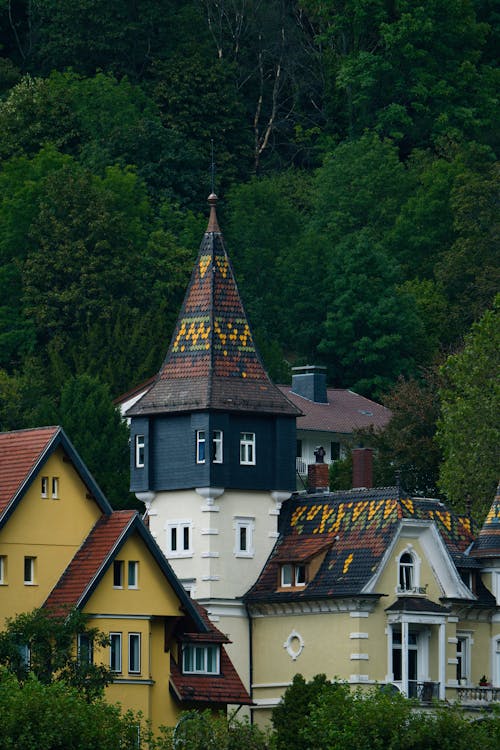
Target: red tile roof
pixel 221 689
pixel 20 452
pixel 345 411
pixel 89 560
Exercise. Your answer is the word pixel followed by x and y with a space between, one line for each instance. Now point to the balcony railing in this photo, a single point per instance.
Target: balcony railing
pixel 301 466
pixel 478 694
pixel 425 692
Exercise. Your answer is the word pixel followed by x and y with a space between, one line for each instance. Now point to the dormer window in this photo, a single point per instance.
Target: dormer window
pixel 293 575
pixel 406 572
pixel 201 659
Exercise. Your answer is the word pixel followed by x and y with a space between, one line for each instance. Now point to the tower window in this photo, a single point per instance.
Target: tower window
pixel 139 451
pixel 217 446
pixel 179 539
pixel 200 446
pixel 247 448
pixel 243 546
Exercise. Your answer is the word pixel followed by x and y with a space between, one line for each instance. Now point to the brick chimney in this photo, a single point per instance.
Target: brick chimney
pixel 317 477
pixel 362 468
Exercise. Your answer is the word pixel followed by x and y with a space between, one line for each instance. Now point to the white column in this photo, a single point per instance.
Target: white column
pixel 404 656
pixel 442 661
pixel 390 667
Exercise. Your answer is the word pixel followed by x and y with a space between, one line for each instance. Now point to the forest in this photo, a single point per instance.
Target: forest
pixel 355 150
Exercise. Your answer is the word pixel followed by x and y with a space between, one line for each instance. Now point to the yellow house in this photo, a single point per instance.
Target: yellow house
pixel 62 546
pixel 374 587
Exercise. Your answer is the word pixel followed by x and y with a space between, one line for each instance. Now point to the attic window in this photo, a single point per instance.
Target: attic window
pixel 201 659
pixel 293 575
pixel 406 572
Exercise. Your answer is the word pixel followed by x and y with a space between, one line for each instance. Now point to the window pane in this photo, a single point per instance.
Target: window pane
pixel 217 446
pixel 115 661
pixel 243 538
pixel 199 659
pixel 300 575
pixel 85 649
pixel 185 537
pixel 118 573
pixel 212 659
pixel 173 539
pixel 132 573
pixel 55 487
pixel 134 653
pixel 139 450
pixel 187 654
pixel 29 569
pixel 286 575
pixel 200 446
pixel 45 487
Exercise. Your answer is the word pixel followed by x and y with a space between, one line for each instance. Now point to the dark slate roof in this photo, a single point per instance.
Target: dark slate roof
pixel 358 527
pixel 416 604
pixel 212 361
pixel 23 453
pixel 345 411
pixel 487 543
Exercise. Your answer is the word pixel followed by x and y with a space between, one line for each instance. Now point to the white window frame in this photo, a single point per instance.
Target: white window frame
pixel 294 579
pixel 3 570
pixel 247 448
pixel 85 645
pixel 133 568
pixel 44 487
pixel 300 580
pixel 201 650
pixel 54 488
pixel 217 446
pixel 140 451
pixel 286 581
pixel 29 580
pixel 464 655
pixel 136 638
pixel 118 565
pixel 180 549
pixel 115 648
pixel 414 566
pixel 247 525
pixel 201 446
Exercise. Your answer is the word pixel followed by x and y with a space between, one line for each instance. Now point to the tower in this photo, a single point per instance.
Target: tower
pixel 213 447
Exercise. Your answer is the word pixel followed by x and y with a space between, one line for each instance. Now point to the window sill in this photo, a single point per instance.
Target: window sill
pixel 178 555
pixel 244 554
pixel 29 583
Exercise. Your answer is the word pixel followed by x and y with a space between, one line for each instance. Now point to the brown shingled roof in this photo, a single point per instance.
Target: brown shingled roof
pixel 89 560
pixel 212 361
pixel 345 411
pixel 20 452
pixel 223 688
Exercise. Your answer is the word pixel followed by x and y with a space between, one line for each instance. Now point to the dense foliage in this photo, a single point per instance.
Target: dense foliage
pixel 336 718
pixel 355 148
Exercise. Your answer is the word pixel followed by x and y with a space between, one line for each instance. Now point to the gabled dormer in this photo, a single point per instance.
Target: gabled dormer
pixel 212 417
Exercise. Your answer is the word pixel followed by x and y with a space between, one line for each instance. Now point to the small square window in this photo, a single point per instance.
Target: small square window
pixel 115 652
pixel 29 570
pixel 118 574
pixel 139 451
pixel 247 448
pixel 217 446
pixel 200 446
pixel 134 653
pixel 44 487
pixel 54 488
pixel 133 574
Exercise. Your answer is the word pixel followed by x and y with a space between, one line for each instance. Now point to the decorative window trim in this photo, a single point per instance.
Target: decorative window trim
pixel 243 537
pixel 140 451
pixel 29 570
pixel 180 543
pixel 217 447
pixel 195 658
pixel 118 567
pixel 293 638
pixel 201 446
pixel 133 574
pixel 408 573
pixel 115 652
pixel 133 667
pixel 247 448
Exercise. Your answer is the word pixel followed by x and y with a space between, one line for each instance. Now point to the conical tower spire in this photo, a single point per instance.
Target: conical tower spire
pixel 488 542
pixel 212 361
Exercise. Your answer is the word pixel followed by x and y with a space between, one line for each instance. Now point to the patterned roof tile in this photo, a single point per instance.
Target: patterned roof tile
pixel 487 543
pixel 212 361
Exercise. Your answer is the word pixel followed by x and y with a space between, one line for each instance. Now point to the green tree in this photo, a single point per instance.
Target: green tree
pixel 468 431
pixel 51 641
pixel 293 711
pixel 99 434
pixel 46 717
pixel 202 730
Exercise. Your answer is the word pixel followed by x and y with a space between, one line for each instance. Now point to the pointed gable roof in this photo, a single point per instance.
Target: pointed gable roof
pixel 23 452
pixel 487 543
pixel 96 554
pixel 212 361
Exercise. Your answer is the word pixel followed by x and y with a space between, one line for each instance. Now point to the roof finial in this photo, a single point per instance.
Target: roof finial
pixel 213 224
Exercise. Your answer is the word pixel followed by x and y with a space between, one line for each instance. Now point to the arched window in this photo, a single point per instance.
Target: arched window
pixel 406 572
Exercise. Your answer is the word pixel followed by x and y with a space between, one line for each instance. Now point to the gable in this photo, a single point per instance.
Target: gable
pixel 437 573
